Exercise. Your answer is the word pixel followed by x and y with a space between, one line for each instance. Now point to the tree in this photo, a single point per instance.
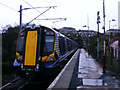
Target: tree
pixel 9 41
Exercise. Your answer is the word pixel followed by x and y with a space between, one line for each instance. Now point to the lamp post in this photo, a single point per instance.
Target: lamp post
pixel 109 27
pixel 86 26
pixel 115 26
pixel 88 45
pixel 110 21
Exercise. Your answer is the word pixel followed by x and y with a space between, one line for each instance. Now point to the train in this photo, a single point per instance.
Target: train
pixel 40 50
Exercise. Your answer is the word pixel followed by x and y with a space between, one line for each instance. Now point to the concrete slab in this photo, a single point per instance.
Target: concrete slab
pixel 64 77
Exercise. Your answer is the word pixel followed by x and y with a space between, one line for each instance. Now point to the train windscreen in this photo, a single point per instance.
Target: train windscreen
pixel 48 45
pixel 20 44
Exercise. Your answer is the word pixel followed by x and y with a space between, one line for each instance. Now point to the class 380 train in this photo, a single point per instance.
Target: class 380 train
pixel 41 48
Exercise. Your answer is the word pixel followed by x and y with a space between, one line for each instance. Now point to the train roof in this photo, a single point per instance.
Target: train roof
pixel 40 26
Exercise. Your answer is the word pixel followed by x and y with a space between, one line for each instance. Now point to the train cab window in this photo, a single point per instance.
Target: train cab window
pixel 48 44
pixel 20 44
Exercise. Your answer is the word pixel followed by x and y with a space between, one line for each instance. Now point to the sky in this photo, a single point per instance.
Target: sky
pixel 77 12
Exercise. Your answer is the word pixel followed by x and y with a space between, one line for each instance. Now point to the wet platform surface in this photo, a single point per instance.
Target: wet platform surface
pixel 83 72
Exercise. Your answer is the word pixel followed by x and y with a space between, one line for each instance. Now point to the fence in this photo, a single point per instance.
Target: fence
pixel 113 61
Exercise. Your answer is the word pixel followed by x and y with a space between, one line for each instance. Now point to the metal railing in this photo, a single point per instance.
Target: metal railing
pixel 113 61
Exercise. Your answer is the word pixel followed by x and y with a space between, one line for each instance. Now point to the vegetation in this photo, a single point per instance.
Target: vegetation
pixel 77 39
pixel 112 64
pixel 9 41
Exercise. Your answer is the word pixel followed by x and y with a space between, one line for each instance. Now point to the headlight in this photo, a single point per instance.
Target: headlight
pixel 19 58
pixel 49 59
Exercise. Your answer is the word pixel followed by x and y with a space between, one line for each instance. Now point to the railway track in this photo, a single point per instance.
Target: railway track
pixel 17 84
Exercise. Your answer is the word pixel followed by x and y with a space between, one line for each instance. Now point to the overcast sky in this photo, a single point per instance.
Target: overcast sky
pixel 77 12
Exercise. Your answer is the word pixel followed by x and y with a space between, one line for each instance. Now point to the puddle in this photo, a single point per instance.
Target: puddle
pixel 88 67
pixel 82 75
pixel 89 76
pixel 93 82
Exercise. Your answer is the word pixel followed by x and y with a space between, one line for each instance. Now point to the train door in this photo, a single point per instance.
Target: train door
pixel 31 55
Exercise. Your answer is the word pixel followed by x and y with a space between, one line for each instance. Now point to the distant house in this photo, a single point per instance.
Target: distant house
pixel 112 31
pixel 68 31
pixel 87 32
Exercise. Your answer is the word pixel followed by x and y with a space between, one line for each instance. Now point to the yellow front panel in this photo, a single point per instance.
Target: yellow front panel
pixel 30 48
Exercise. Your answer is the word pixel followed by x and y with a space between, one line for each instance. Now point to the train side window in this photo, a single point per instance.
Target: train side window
pixel 69 45
pixel 62 45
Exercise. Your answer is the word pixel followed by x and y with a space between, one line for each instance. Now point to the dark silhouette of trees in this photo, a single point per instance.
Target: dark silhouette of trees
pixel 9 41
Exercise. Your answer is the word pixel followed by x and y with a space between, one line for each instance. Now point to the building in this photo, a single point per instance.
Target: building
pixel 119 15
pixel 112 31
pixel 87 32
pixel 69 31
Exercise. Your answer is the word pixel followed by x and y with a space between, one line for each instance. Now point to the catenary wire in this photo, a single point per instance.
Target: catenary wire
pixel 37 10
pixel 56 13
pixel 14 10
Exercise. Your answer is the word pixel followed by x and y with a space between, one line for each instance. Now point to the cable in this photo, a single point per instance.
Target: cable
pixel 37 10
pixel 39 15
pixel 31 6
pixel 8 7
pixel 14 10
pixel 57 14
pixel 24 14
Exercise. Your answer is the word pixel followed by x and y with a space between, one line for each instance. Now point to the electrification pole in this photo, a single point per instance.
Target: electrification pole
pixel 48 8
pixel 104 55
pixel 20 17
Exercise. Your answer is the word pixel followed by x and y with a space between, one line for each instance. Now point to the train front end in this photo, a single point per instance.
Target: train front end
pixel 35 48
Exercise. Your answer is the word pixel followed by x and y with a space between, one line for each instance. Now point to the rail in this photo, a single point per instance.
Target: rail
pixel 17 83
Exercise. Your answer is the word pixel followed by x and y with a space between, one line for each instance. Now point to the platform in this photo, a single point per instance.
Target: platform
pixel 83 72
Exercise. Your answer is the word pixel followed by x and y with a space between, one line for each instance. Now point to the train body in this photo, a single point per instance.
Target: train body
pixel 40 48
